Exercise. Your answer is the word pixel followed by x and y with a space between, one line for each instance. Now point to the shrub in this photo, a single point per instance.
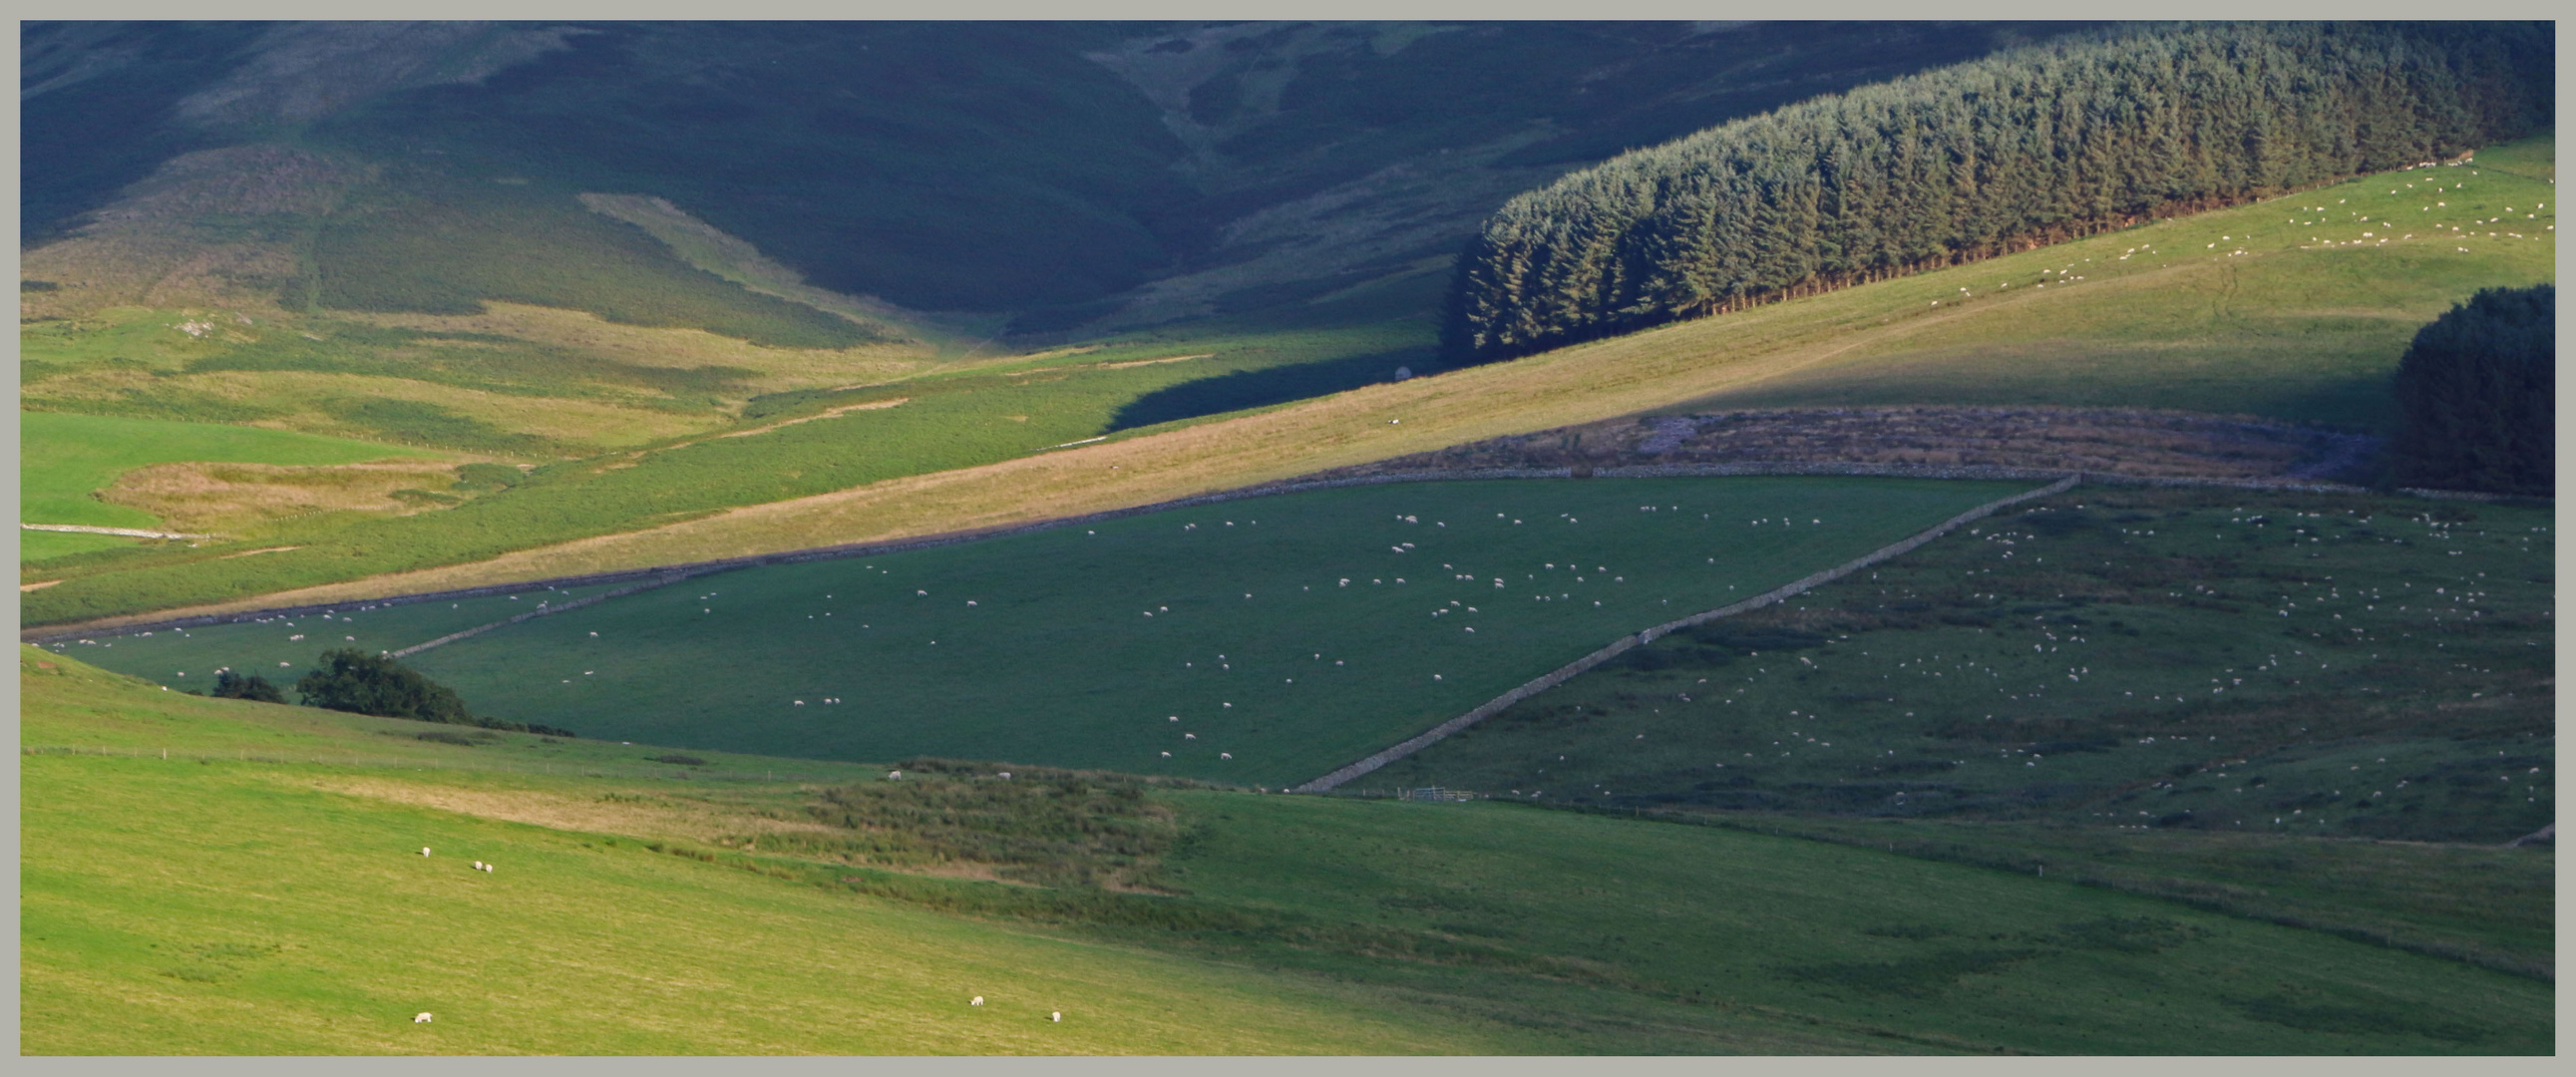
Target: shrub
pixel 2477 391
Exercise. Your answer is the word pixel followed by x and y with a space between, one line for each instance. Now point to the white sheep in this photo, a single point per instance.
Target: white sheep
pixel 487 867
pixel 421 1018
pixel 979 1000
pixel 424 850
pixel 478 865
pixel 891 774
pixel 1056 1016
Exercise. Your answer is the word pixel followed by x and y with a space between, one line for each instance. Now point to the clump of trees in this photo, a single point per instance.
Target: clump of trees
pixel 2014 151
pixel 2477 394
pixel 253 687
pixel 351 680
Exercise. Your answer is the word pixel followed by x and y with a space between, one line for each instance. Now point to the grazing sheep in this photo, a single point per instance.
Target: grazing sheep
pixel 1056 1016
pixel 487 867
pixel 420 1018
pixel 424 850
pixel 979 1000
pixel 892 774
pixel 478 865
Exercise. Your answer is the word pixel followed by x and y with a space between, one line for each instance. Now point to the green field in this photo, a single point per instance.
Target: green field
pixel 63 459
pixel 258 890
pixel 1292 633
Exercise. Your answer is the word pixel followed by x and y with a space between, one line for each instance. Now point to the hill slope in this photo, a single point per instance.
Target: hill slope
pixel 289 910
pixel 2306 324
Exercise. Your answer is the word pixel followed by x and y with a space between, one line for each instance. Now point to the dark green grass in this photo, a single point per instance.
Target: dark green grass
pixel 1058 663
pixel 2117 657
pixel 2108 669
pixel 282 647
pixel 2489 905
pixel 1852 938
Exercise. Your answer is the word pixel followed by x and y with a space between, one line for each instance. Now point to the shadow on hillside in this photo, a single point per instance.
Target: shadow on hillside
pixel 1272 385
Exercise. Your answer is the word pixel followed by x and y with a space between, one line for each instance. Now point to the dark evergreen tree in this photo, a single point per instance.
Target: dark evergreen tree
pixel 253 687
pixel 2477 391
pixel 2023 148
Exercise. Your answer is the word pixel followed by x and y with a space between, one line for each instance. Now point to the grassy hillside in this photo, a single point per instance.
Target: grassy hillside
pixel 2357 302
pixel 286 910
pixel 2146 316
pixel 1293 634
pixel 789 443
pixel 260 890
pixel 2305 324
pixel 2105 669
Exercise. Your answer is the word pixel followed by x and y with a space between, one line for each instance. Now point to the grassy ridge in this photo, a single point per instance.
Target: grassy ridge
pixel 1039 648
pixel 260 901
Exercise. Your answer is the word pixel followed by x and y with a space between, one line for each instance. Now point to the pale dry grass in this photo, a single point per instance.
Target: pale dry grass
pixel 635 815
pixel 230 497
pixel 643 815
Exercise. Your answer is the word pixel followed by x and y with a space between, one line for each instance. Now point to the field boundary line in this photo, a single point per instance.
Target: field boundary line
pixel 65 632
pixel 541 611
pixel 1568 671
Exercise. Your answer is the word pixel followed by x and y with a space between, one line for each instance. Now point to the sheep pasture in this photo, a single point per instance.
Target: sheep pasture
pixel 1263 641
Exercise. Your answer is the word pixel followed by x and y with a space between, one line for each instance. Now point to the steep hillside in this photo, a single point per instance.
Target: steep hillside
pixel 948 166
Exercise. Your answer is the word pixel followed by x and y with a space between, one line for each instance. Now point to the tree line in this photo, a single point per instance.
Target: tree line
pixel 2022 149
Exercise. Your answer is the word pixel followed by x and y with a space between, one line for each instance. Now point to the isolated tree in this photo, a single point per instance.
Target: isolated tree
pixel 362 683
pixel 2476 391
pixel 253 687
